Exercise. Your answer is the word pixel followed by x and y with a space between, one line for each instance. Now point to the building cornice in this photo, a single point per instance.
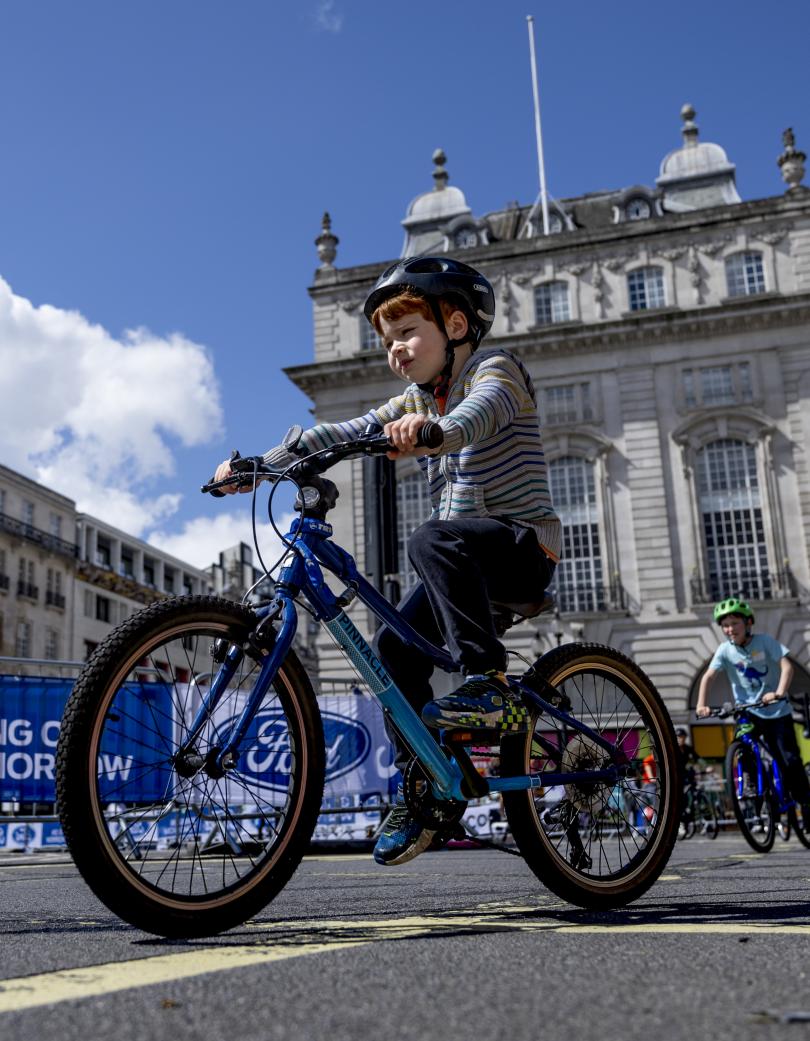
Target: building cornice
pixel 639 329
pixel 338 283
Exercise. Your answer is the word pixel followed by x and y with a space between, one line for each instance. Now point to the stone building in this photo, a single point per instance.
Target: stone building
pixel 66 578
pixel 666 329
pixel 37 569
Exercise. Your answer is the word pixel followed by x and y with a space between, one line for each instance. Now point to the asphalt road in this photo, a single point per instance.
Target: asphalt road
pixel 457 945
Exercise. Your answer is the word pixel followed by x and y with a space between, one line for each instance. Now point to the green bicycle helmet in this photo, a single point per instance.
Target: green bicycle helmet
pixel 733 605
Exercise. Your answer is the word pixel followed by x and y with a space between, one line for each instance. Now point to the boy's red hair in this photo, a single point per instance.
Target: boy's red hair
pixel 408 302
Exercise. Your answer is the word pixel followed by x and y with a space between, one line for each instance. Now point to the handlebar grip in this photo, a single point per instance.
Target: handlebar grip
pixel 430 435
pixel 214 491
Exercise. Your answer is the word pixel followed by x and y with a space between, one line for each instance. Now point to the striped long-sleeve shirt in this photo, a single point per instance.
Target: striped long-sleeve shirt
pixel 491 462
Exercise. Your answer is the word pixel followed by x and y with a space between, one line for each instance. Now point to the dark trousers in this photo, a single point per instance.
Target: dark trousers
pixel 780 740
pixel 463 564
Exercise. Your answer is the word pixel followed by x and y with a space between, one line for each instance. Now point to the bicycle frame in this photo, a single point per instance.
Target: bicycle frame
pixel 311 547
pixel 764 773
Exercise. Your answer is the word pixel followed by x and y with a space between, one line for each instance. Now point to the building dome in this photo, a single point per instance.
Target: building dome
pixel 698 174
pixel 433 214
pixel 441 204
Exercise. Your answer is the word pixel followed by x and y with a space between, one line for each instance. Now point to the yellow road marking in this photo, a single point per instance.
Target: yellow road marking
pixel 278 941
pixel 51 988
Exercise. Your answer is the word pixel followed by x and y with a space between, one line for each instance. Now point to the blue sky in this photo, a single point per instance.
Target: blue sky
pixel 165 166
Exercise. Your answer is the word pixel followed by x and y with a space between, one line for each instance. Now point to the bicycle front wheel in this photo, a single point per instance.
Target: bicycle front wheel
pixel 800 825
pixel 706 816
pixel 756 811
pixel 576 848
pixel 168 839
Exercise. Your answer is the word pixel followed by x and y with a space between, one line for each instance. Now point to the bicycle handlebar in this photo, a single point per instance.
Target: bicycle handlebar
pixel 728 709
pixel 245 470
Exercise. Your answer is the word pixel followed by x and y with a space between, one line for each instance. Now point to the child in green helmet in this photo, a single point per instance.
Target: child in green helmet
pixel 758 669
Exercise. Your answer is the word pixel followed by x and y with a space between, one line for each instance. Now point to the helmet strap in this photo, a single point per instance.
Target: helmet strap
pixel 440 388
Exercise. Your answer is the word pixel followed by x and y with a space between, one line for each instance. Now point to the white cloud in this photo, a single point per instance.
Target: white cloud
pixel 327 18
pixel 202 539
pixel 95 417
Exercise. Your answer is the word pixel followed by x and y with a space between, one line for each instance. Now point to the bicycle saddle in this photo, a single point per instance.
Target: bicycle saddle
pixel 506 615
pixel 530 610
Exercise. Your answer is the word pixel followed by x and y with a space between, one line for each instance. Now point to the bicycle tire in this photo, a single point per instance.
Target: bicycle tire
pixel 706 812
pixel 599 870
pixel 171 844
pixel 756 814
pixel 799 827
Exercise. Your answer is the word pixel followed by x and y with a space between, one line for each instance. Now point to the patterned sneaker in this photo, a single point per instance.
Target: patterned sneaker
pixel 480 703
pixel 402 838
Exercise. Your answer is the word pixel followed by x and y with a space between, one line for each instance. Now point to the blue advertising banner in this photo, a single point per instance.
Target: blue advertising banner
pixel 359 759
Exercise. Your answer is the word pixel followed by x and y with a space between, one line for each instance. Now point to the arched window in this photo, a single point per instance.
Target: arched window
pixel 730 509
pixel 578 584
pixel 645 288
pixel 551 303
pixel 745 275
pixel 413 509
pixel 369 338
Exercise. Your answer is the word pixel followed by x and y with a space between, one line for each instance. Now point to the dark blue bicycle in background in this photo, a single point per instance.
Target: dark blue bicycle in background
pixel 759 796
pixel 190 766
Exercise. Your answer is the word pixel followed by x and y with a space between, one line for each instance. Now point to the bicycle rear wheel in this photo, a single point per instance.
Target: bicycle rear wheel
pixel 756 812
pixel 574 855
pixel 706 816
pixel 171 842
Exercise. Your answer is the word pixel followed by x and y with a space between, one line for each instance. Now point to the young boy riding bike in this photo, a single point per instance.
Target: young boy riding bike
pixel 758 669
pixel 493 534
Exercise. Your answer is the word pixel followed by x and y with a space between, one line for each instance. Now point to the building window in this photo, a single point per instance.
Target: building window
pixel 637 209
pixel 127 562
pixel 103 553
pixel 369 337
pixel 744 274
pixel 51 644
pixel 567 403
pixel 103 613
pixel 645 288
pixel 578 584
pixel 731 515
pixel 28 513
pixel 718 385
pixel 149 572
pixel 413 509
pixel 465 238
pixel 56 525
pixel 22 644
pixel 168 579
pixel 2 500
pixel 551 303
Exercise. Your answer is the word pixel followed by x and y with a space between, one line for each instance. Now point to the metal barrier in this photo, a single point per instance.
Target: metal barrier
pixel 357 795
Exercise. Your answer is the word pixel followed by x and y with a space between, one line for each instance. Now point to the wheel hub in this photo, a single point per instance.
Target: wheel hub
pixel 582 753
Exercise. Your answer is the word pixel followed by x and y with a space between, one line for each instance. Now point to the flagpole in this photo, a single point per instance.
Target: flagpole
pixel 537 130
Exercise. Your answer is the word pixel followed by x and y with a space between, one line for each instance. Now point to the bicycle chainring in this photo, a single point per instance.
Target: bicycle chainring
pixel 423 804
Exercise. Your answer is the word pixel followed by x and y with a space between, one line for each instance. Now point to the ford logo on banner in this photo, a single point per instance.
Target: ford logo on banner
pixel 266 760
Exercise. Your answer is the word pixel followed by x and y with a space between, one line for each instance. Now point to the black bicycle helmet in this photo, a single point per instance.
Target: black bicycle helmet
pixel 436 277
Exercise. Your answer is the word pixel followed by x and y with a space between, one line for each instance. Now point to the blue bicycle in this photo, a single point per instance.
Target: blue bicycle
pixel 758 792
pixel 190 766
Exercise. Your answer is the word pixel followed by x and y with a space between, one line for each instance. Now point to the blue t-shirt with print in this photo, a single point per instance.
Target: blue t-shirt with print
pixel 753 670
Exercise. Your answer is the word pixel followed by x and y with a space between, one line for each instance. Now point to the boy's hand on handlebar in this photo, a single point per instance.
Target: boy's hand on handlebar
pixel 402 433
pixel 223 472
pixel 702 711
pixel 770 697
